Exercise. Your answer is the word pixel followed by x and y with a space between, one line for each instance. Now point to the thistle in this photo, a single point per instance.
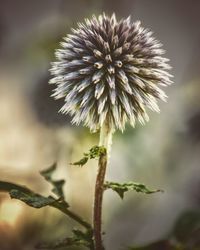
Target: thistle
pixel 110 71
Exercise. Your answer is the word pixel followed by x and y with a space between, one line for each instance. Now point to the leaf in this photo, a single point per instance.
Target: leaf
pixel 8 186
pixel 81 162
pixel 86 237
pixel 120 189
pixel 58 184
pixel 26 195
pixel 94 153
pixel 37 201
pixel 58 188
pixel 79 238
pixel 31 199
pixel 58 244
pixel 47 173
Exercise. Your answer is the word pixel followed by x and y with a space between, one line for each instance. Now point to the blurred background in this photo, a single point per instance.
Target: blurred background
pixel 163 154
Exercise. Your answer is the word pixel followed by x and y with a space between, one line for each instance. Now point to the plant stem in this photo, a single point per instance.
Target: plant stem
pixel 72 215
pixel 105 141
pixel 76 218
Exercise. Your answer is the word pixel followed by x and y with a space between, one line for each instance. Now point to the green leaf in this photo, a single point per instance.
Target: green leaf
pixel 47 173
pixel 8 186
pixel 58 188
pixel 79 238
pixel 58 244
pixel 121 188
pixel 37 201
pixel 94 153
pixel 84 237
pixel 58 184
pixel 81 162
pixel 26 195
pixel 31 199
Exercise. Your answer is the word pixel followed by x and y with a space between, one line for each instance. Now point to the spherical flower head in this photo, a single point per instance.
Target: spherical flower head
pixel 109 70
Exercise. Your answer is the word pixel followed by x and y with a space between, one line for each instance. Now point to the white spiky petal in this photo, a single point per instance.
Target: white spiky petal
pixel 110 70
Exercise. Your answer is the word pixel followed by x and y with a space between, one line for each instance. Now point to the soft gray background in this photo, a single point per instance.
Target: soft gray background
pixel 163 154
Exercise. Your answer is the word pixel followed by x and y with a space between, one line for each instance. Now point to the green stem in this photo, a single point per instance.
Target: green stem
pixel 105 141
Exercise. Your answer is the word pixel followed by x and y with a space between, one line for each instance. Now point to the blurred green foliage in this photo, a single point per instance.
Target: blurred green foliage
pixel 184 236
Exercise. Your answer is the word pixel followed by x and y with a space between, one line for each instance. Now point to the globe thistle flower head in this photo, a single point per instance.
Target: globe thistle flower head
pixel 109 70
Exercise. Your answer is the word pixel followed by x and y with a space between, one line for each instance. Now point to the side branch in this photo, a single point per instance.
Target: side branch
pixel 36 200
pixel 72 215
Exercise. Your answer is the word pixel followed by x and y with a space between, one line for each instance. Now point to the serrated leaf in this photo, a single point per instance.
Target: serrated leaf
pixel 31 199
pixel 26 195
pixel 121 188
pixel 37 201
pixel 79 238
pixel 57 184
pixel 58 187
pixel 6 186
pixel 47 173
pixel 81 162
pixel 94 153
pixel 84 236
pixel 58 244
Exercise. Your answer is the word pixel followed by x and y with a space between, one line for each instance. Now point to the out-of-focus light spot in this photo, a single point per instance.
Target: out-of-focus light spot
pixel 10 211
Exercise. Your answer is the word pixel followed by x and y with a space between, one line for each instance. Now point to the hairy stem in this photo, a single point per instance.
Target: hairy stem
pixel 105 141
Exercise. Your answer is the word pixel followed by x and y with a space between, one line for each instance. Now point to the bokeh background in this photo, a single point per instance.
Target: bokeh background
pixel 163 154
